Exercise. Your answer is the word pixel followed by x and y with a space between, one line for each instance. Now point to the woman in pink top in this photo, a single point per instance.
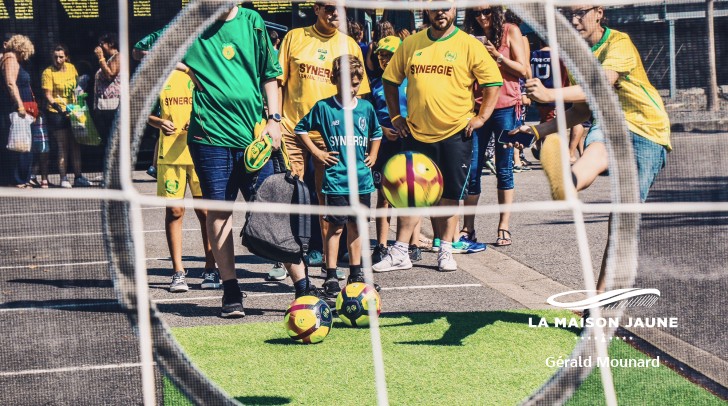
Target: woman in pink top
pixel 504 43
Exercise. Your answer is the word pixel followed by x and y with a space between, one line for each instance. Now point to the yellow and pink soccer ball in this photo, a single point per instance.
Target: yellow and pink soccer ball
pixel 411 179
pixel 308 320
pixel 352 304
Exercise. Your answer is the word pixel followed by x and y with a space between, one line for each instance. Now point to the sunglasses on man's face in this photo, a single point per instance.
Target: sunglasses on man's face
pixel 329 9
pixel 484 12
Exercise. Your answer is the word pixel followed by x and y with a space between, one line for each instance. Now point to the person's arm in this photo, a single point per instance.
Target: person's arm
pixel 138 54
pixel 391 95
pixel 273 127
pixel 577 114
pixel 517 64
pixel 10 72
pixel 572 94
pixel 490 97
pixel 328 158
pixel 187 70
pixel 109 69
pixel 368 61
pixel 166 126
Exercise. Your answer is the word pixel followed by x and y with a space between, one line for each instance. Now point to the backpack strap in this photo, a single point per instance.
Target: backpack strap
pixel 303 224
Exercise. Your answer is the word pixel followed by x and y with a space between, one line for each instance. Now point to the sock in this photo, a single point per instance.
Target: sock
pixel 301 286
pixel 231 288
pixel 402 247
pixel 445 246
pixel 354 270
pixel 330 273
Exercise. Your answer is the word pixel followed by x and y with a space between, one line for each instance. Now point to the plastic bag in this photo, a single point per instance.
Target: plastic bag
pixel 82 126
pixel 20 138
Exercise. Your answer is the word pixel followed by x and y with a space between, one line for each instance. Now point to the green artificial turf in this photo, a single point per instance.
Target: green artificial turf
pixel 642 386
pixel 481 358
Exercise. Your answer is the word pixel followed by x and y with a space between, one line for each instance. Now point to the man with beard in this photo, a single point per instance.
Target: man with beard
pixel 441 65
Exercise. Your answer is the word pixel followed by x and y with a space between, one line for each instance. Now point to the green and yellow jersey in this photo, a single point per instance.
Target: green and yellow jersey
pixel 62 85
pixel 306 57
pixel 642 105
pixel 440 75
pixel 175 105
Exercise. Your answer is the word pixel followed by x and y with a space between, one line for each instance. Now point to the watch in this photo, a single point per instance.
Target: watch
pixel 500 58
pixel 275 117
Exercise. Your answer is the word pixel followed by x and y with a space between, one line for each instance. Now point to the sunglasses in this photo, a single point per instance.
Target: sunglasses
pixel 579 14
pixel 329 9
pixel 484 12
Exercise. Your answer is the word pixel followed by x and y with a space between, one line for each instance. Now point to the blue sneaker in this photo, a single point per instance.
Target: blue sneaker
pixel 467 246
pixel 314 258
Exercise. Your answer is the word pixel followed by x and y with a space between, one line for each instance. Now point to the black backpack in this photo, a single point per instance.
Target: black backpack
pixel 280 237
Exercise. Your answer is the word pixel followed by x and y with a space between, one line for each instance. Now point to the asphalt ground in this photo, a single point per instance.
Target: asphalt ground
pixel 55 288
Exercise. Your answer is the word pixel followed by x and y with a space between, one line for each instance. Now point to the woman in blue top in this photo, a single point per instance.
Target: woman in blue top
pixel 14 91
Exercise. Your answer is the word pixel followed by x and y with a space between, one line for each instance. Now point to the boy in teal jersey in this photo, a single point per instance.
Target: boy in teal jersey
pixel 327 118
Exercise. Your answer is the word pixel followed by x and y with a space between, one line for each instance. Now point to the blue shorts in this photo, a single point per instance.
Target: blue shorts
pixel 650 157
pixel 222 172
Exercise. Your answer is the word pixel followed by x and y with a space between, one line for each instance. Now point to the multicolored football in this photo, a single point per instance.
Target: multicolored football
pixel 411 179
pixel 308 320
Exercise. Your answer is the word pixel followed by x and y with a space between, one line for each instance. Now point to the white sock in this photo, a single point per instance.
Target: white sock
pixel 401 247
pixel 445 246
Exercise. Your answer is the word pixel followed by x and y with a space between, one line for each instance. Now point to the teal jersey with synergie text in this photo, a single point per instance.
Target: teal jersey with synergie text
pixel 327 118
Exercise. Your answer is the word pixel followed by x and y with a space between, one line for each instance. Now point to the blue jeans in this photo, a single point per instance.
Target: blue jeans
pixel 650 157
pixel 501 119
pixel 222 172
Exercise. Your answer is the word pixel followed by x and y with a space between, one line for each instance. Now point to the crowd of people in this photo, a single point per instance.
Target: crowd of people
pixel 63 89
pixel 442 91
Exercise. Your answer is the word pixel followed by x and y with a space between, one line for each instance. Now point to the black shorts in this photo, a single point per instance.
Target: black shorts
pixel 387 149
pixel 57 121
pixel 452 155
pixel 343 201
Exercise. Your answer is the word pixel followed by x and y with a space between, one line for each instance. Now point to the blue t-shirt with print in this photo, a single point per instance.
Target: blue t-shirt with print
pixel 327 118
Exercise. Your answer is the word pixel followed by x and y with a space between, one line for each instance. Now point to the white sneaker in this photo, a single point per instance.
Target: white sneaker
pixel 445 262
pixel 395 260
pixel 66 184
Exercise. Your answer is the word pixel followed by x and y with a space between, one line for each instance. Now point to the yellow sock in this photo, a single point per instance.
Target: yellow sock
pixel 551 163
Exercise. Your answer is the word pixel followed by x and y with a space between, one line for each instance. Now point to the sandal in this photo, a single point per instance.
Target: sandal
pixel 504 238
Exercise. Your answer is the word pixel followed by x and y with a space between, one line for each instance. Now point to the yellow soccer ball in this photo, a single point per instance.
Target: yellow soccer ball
pixel 352 304
pixel 308 320
pixel 411 179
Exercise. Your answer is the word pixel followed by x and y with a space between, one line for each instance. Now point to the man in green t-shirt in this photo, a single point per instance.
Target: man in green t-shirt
pixel 229 64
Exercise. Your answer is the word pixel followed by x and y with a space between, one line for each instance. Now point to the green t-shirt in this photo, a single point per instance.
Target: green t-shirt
pixel 146 43
pixel 231 59
pixel 327 118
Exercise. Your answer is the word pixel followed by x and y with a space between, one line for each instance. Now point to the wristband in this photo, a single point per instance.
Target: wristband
pixel 21 109
pixel 394 118
pixel 535 132
pixel 102 60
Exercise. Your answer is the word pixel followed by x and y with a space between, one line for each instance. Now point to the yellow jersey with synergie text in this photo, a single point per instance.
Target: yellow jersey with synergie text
pixel 175 105
pixel 642 105
pixel 306 57
pixel 440 75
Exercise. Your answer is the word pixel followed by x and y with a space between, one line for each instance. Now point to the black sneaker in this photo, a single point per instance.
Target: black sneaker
pixel 415 253
pixel 232 307
pixel 331 288
pixel 360 278
pixel 379 252
pixel 210 279
pixel 314 291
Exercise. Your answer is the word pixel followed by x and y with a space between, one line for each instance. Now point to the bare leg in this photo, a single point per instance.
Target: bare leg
pixel 173 229
pixel 505 197
pixel 61 137
pixel 577 133
pixel 415 240
pixel 469 219
pixel 354 242
pixel 448 225
pixel 382 222
pixel 209 258
pixel 219 232
pixel 331 244
pixel 590 165
pixel 75 155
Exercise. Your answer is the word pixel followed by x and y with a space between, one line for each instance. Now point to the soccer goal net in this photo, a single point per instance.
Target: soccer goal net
pixel 586 268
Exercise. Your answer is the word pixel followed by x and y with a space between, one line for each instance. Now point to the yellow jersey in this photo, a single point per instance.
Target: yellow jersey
pixel 306 57
pixel 440 76
pixel 62 85
pixel 175 105
pixel 642 105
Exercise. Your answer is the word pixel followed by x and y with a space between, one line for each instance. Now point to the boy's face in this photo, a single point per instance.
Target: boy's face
pixel 355 83
pixel 384 58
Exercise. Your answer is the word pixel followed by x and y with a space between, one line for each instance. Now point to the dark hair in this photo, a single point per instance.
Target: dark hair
pixel 273 34
pixel 355 30
pixel 356 68
pixel 512 18
pixel 497 18
pixel 110 39
pixel 384 29
pixel 61 47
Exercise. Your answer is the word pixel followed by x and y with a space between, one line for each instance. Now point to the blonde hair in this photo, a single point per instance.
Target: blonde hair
pixel 21 45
